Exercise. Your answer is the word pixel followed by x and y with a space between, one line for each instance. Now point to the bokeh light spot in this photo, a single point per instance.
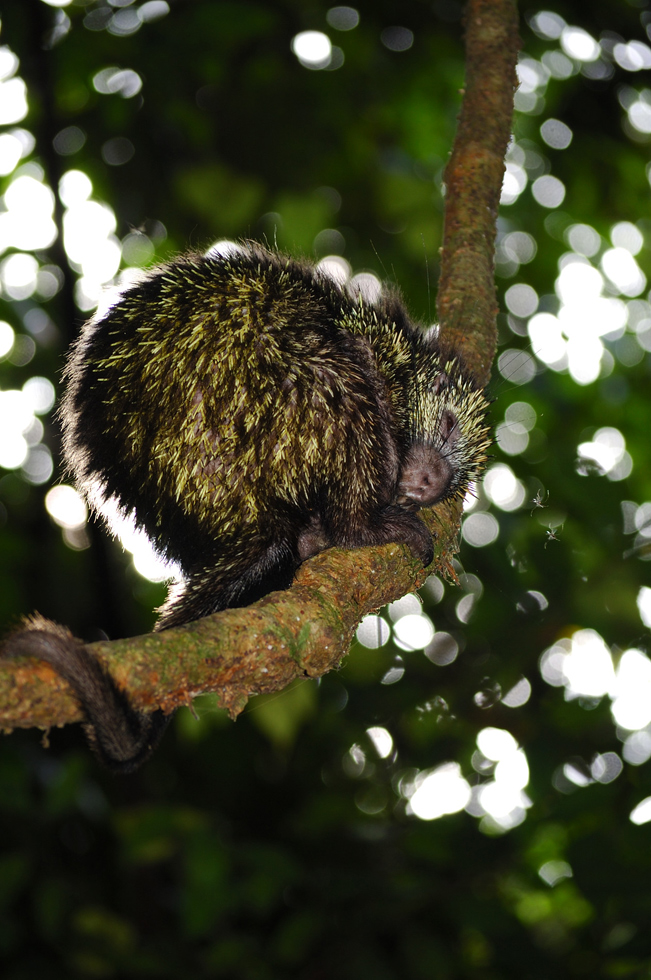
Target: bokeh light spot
pixel 397 38
pixel 496 743
pixel 623 271
pixel 644 605
pixel 582 664
pixel 6 338
pixel 40 394
pixel 631 707
pixel 607 453
pixel 413 632
pixel 38 467
pixel 503 488
pixel 373 632
pixel 18 273
pixel 13 101
pixel 443 649
pixel 521 299
pixel 548 191
pixel 117 81
pixel 382 741
pixel 480 530
pixel 66 507
pixel 514 182
pixel 335 267
pixel 578 44
pixel 75 187
pixel 547 24
pixel 312 48
pixel 642 812
pixel 583 239
pixel 516 366
pixel 626 235
pixel 634 56
pixel 517 695
pixel 11 151
pixel 365 286
pixel 343 18
pixel 117 151
pixel 439 792
pixel 69 141
pixel 153 10
pixel 552 872
pixel 556 134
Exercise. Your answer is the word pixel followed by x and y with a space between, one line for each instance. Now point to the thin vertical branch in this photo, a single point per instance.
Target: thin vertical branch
pixel 473 177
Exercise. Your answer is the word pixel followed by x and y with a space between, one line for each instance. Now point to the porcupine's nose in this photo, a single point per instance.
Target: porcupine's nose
pixel 426 477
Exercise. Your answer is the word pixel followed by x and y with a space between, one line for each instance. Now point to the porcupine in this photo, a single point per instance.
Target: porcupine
pixel 249 412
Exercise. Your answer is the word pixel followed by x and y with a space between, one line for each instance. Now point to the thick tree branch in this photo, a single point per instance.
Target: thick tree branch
pixel 307 630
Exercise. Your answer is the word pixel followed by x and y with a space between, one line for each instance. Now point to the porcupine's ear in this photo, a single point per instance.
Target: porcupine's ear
pixel 120 736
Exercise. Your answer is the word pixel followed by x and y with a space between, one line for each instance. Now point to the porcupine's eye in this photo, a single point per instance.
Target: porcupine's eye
pixel 448 429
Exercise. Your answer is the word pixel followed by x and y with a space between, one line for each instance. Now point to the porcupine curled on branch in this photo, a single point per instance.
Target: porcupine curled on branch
pixel 249 412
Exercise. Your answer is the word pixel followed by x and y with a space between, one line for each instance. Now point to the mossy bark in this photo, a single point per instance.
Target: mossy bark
pixel 466 303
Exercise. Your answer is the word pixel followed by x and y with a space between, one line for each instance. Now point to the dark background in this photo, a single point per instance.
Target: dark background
pixel 256 849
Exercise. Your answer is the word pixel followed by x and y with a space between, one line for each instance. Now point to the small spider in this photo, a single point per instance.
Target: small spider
pixel 551 534
pixel 539 500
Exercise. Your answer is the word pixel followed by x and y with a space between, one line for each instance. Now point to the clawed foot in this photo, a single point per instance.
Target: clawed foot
pixel 406 527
